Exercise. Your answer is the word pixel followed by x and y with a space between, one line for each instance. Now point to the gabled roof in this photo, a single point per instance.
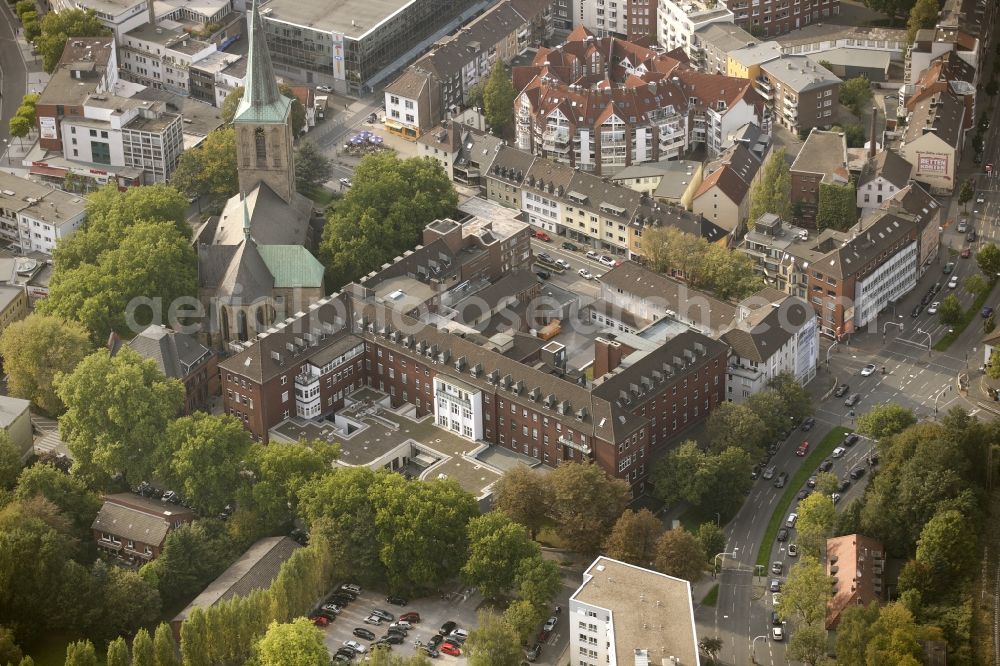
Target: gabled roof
pixel 262 101
pixel 135 518
pixel 272 220
pixel 174 353
pixel 890 166
pixel 728 182
pixel 762 337
pixel 409 84
pixel 941 114
pixel 292 266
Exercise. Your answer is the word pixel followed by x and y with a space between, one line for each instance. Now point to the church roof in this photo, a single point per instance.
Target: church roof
pixel 272 220
pixel 292 266
pixel 262 101
pixel 247 276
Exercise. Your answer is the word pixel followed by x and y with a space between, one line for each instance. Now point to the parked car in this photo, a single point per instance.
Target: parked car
pixel 436 640
pixel 429 651
pixel 980 198
pixel 395 601
pixel 545 256
pixel 917 309
pixel 398 630
pixel 542 236
pixel 385 615
pixel 775 620
pixel 448 648
pixel 776 568
pixel 448 627
pixel 755 472
pixel 569 246
pixel 543 275
pixel 373 619
pixel 775 585
pixel 534 652
pixel 342 658
pixel 550 624
pixel 845 483
pixel 868 370
pixel 393 638
pixel 811 483
pixel 361 632
pixel 838 452
pixel 351 588
pixel 841 390
pixel 793 550
pixel 608 261
pixel 803 449
pixel 826 465
pixel 324 89
pixel 808 423
pixel 934 307
pixel 853 399
pixel 777 634
pixel 333 608
pixel 850 440
pixel 987 311
pixel 790 521
pixel 402 624
pixel 782 535
pixel 971 236
pixel 769 473
pixel 411 617
pixel 346 652
pixel 592 255
pixel 562 263
pixel 781 480
pixel 857 473
pixel 356 646
pixel 320 620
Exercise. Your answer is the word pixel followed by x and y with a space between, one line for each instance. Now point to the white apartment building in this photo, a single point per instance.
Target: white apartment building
pixel 124 132
pixel 776 334
pixel 623 615
pixel 121 16
pixel 677 21
pixel 160 56
pixel 33 217
pixel 458 407
pixel 605 17
pixel 893 278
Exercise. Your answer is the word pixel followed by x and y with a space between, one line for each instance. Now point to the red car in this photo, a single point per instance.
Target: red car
pixel 320 621
pixel 451 649
pixel 803 449
pixel 966 252
pixel 412 618
pixel 542 236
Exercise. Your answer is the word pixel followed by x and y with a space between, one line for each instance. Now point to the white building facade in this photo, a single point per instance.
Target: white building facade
pixel 895 277
pixel 677 21
pixel 458 407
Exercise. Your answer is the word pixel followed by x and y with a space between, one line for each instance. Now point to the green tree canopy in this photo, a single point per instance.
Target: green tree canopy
pixel 523 617
pixel 10 463
pixel 128 602
pixel 10 652
pixel 497 545
pixel 895 638
pixel 770 407
pixel 298 642
pixel 947 546
pixel 193 556
pixel 524 495
pixel 804 596
pixel 713 482
pixel 203 459
pixel 118 409
pixel 712 538
pixel 988 259
pixel 885 420
pixel 924 14
pixel 950 310
pixel 280 470
pixel 977 285
pixel 815 523
pixel 733 424
pixel 892 8
pixel 773 192
pixel 808 645
pixel 838 206
pixel 142 649
pixel 57 27
pixel 35 351
pixel 81 653
pixel 856 94
pixel 18 126
pixel 797 401
pixel 383 214
pixel 164 647
pixel 209 170
pixel 228 110
pixel 966 193
pixel 117 654
pixel 498 100
pixel 68 493
pixel 679 554
pixel 312 168
pixel 538 581
pixel 586 502
pixel 493 642
pixel 853 633
pixel 633 538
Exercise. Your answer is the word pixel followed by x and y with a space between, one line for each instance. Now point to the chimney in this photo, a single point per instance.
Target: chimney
pixel 871 139
pixel 152 12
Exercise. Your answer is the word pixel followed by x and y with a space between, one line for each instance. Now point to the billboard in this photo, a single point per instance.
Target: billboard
pixel 47 126
pixel 933 163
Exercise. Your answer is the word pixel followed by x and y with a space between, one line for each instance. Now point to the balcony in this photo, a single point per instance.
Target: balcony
pixel 582 448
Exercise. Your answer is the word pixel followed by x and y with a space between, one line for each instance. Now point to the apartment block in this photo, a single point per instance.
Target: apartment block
pixel 624 614
pixel 822 159
pixel 856 564
pixel 768 18
pixel 711 45
pixel 121 16
pixel 802 94
pixel 161 55
pixel 132 528
pixel 180 356
pixel 679 20
pixel 33 216
pixel 933 138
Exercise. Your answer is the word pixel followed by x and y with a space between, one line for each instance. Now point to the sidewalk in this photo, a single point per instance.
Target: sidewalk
pixel 35 81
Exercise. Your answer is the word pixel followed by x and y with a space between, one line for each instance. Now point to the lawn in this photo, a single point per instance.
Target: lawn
pixel 51 650
pixel 795 483
pixel 967 317
pixel 712 597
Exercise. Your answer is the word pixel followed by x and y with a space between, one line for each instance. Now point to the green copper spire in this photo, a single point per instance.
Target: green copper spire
pixel 262 101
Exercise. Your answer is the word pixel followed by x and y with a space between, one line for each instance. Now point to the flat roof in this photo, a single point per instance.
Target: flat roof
pixel 39 201
pixel 649 611
pixel 351 18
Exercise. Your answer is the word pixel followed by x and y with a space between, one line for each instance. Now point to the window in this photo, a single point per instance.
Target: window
pixel 260 145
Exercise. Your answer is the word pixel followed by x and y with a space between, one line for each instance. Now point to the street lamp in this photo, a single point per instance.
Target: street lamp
pixel 830 349
pixel 715 559
pixel 6 149
pixel 891 323
pixel 753 648
pixel 718 515
pixel 923 332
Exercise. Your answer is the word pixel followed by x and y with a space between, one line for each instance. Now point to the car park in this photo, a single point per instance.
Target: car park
pixel 934 307
pixel 793 550
pixel 953 282
pixel 838 452
pixel 782 535
pixel 411 617
pixel 808 423
pixel 361 632
pixel 448 648
pixel 868 370
pixel 777 634
pixel 780 481
pixel 385 615
pixel 852 399
pixel 776 568
pixel 395 601
pixel 585 274
pixel 841 390
pixel 803 449
pixel 356 646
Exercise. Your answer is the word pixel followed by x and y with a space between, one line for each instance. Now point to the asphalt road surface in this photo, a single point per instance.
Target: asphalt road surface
pixel 12 70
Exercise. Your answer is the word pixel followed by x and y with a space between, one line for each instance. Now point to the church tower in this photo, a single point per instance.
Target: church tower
pixel 263 122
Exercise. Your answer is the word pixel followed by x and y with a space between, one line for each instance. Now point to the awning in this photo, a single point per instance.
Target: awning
pixel 54 172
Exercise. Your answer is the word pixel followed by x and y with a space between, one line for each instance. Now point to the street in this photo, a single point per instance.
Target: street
pixel 12 69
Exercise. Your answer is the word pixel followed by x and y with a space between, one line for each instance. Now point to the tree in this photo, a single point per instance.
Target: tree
pixel 712 538
pixel 711 647
pixel 298 642
pixel 855 135
pixel 838 206
pixel 808 645
pixel 772 193
pixel 128 602
pixel 524 495
pixel 493 642
pixel 497 546
pixel 57 27
pixel 209 170
pixel 966 193
pixel 81 653
pixel 633 538
pixel 228 110
pixel 733 424
pixel 856 95
pixel 117 413
pixel 142 649
pixel 715 483
pixel 815 523
pixel 498 100
pixel 18 126
pixel 585 504
pixel 279 471
pixel 203 459
pixel 895 638
pixel 10 653
pixel 797 401
pixel 10 464
pixel 130 286
pixel 193 555
pixel 383 214
pixel 117 654
pixel 923 15
pixel 827 483
pixel 679 554
pixel 164 647
pixel 988 259
pixel 950 310
pixel 37 349
pixel 977 285
pixel 947 546
pixel 803 598
pixel 885 420
pixel 538 581
pixel 993 366
pixel 854 632
pixel 68 493
pixel 771 409
pixel 312 168
pixel 523 617
pixel 892 8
